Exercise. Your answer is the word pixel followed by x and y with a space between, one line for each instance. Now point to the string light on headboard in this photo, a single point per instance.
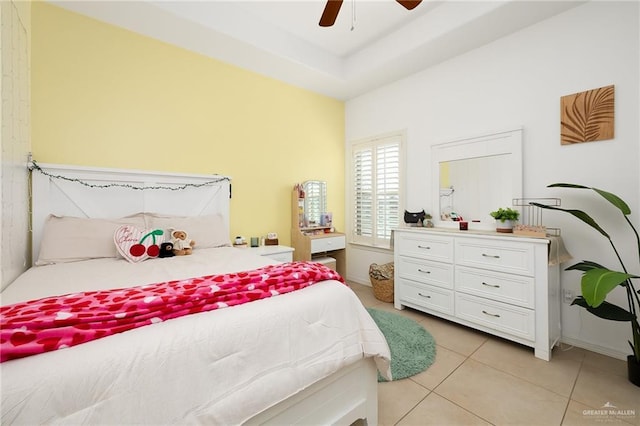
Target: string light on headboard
pixel 33 165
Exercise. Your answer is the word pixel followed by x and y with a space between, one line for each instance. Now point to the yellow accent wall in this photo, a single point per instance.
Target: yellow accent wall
pixel 107 97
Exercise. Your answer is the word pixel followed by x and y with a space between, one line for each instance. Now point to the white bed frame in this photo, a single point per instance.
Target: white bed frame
pixel 108 193
pixel 342 398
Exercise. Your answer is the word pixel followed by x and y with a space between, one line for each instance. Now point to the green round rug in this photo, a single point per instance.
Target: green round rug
pixel 412 348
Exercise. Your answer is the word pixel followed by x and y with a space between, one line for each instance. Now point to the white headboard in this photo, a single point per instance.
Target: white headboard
pixel 65 190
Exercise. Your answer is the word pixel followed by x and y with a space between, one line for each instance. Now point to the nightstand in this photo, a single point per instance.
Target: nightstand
pixel 281 253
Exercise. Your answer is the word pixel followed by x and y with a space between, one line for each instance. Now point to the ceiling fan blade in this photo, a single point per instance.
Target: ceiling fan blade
pixel 409 4
pixel 330 13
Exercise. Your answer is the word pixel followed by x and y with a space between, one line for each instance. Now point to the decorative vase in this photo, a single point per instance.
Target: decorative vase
pixel 504 227
pixel 633 370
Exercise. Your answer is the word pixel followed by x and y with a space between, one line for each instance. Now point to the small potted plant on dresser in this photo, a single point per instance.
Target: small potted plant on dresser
pixel 598 281
pixel 505 218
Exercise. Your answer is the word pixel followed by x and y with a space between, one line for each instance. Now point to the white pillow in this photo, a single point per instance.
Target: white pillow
pixel 207 231
pixel 71 239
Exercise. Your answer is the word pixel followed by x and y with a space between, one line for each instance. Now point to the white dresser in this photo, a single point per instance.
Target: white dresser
pixel 498 283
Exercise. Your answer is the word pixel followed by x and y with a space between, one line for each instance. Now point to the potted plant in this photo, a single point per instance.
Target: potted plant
pixel 504 219
pixel 598 281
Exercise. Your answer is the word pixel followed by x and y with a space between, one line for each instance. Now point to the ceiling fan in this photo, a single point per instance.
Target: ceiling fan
pixel 332 8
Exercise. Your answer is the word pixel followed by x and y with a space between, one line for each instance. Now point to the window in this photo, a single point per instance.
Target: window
pixel 376 170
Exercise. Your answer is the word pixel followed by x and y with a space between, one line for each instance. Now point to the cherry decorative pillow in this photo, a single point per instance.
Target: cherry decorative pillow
pixel 136 245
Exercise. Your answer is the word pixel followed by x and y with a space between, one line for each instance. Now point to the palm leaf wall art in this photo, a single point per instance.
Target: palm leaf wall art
pixel 587 116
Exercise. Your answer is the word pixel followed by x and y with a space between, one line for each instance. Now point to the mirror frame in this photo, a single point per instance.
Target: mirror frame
pixel 498 143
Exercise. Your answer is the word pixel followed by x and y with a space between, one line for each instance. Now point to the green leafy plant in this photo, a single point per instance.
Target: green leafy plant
pixel 597 280
pixel 507 213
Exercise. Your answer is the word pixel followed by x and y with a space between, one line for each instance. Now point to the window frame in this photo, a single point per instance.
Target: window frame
pixel 358 145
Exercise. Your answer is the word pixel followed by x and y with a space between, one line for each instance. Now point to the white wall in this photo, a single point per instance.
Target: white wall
pixel 15 18
pixel 518 81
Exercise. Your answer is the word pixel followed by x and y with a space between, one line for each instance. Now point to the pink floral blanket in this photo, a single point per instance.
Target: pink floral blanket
pixel 59 322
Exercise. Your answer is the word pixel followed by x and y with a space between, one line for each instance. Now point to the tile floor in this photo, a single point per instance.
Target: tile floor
pixel 480 379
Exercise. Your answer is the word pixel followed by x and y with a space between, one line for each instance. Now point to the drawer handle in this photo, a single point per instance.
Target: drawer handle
pixel 423 271
pixel 424 247
pixel 424 295
pixel 491 315
pixel 491 285
pixel 491 256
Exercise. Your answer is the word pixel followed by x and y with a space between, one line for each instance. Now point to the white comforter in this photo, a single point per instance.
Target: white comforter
pixel 219 367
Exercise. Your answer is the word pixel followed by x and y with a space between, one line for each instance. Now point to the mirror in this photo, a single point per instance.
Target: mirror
pixel 315 202
pixel 473 177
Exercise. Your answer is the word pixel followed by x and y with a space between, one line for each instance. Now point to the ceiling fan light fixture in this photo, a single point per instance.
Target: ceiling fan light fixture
pixel 332 7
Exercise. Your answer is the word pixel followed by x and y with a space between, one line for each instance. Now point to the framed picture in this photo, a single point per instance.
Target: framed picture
pixel 587 116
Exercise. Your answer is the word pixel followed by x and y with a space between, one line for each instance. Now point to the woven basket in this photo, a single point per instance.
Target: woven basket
pixel 381 277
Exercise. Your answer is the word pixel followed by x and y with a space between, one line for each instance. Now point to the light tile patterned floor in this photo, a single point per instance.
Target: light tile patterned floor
pixel 480 379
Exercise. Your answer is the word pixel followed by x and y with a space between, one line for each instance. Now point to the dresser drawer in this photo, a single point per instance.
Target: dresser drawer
pixel 432 247
pixel 426 296
pixel 425 271
pixel 513 289
pixel 319 245
pixel 505 256
pixel 509 319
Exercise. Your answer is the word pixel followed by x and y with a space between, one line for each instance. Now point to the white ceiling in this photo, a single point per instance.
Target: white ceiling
pixel 282 39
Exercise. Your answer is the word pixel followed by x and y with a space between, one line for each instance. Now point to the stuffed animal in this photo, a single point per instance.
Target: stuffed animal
pixel 182 245
pixel 166 250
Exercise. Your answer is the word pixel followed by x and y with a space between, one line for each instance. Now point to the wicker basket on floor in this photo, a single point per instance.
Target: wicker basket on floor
pixel 381 277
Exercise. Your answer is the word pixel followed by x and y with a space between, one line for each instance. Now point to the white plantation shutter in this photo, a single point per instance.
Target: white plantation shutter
pixel 387 189
pixel 363 192
pixel 376 190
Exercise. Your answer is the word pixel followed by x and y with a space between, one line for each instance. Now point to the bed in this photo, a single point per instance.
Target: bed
pixel 310 356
